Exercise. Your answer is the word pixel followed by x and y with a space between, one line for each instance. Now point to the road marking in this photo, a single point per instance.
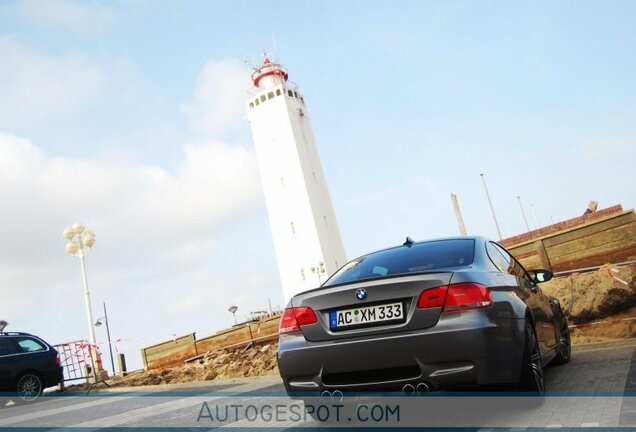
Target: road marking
pixel 174 404
pixel 51 412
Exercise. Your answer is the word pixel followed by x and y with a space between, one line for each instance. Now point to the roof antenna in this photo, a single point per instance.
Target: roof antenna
pixel 409 242
pixel 3 324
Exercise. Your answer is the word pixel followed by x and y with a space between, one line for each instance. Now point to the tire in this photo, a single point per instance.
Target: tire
pixel 532 378
pixel 28 387
pixel 564 349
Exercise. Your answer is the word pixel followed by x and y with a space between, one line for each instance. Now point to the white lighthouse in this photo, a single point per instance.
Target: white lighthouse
pixel 303 224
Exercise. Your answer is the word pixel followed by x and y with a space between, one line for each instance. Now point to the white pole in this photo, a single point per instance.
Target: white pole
pixel 534 213
pixel 87 299
pixel 492 209
pixel 525 219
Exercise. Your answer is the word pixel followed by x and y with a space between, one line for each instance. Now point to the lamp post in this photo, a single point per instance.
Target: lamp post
pixel 233 310
pixel 492 209
pixel 534 213
pixel 318 271
pixel 525 219
pixel 110 345
pixel 78 240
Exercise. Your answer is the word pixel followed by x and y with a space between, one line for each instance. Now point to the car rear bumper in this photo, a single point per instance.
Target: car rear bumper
pixel 465 348
pixel 52 376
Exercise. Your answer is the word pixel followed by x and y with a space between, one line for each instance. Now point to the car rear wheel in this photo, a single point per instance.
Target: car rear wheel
pixel 565 347
pixel 28 387
pixel 532 379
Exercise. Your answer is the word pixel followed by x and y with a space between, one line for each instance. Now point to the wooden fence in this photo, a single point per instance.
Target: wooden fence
pixel 609 236
pixel 176 351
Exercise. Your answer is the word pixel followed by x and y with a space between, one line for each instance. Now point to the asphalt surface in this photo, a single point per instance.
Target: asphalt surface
pixel 597 388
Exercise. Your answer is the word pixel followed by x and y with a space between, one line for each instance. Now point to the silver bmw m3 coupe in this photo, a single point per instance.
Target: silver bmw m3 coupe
pixel 431 315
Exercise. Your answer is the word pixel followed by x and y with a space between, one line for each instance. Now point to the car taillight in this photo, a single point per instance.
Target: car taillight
pixel 58 361
pixel 463 296
pixel 293 318
pixel 432 297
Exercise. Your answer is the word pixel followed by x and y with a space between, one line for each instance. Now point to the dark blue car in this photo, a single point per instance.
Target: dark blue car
pixel 28 365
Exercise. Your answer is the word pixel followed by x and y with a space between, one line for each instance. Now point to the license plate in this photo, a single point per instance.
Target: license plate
pixel 366 315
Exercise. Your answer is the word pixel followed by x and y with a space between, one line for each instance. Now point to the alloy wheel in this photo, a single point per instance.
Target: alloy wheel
pixel 565 346
pixel 536 365
pixel 29 387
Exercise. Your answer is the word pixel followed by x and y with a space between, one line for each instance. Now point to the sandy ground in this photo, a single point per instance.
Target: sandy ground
pixel 255 360
pixel 597 297
pixel 585 297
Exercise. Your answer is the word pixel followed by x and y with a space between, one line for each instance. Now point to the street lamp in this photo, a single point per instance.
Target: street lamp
pixel 110 345
pixel 78 240
pixel 318 271
pixel 523 212
pixel 233 310
pixel 492 209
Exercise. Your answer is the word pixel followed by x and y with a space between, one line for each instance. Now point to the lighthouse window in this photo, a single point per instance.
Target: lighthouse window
pixel 290 93
pixel 251 105
pixel 302 100
pixel 263 98
pixel 270 95
pixel 278 92
pixel 256 102
pixel 293 228
pixel 296 95
pixel 302 273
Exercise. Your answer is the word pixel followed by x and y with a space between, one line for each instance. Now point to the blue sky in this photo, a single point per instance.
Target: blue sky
pixel 129 116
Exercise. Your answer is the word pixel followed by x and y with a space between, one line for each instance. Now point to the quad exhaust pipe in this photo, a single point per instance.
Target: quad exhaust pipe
pixel 336 394
pixel 411 390
pixel 422 388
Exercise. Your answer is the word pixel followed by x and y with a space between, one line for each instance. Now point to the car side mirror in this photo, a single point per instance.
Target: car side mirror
pixel 541 275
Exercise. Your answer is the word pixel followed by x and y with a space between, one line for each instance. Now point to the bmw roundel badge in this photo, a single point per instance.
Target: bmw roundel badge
pixel 361 294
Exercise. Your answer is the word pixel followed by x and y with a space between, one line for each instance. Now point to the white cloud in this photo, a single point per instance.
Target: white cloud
pixel 35 86
pixel 84 17
pixel 174 246
pixel 214 183
pixel 157 232
pixel 218 102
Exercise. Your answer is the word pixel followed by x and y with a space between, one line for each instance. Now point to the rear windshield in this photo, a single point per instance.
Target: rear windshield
pixel 401 260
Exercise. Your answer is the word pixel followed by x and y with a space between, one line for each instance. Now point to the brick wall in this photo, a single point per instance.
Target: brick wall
pixel 561 226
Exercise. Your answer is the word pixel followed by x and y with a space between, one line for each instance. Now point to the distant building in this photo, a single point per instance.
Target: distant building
pixel 303 224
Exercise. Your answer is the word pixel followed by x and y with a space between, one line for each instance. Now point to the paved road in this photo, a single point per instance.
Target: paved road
pixel 597 388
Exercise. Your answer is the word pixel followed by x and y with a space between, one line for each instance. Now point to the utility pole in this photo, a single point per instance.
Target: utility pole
pixel 492 209
pixel 525 219
pixel 458 215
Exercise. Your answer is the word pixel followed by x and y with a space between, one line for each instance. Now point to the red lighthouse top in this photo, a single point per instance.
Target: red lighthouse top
pixel 276 73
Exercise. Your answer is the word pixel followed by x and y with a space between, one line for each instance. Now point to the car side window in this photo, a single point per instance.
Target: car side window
pixel 500 260
pixel 515 268
pixel 30 345
pixel 9 346
pixel 6 347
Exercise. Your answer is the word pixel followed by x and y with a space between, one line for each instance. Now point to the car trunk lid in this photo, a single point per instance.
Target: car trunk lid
pixel 377 306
